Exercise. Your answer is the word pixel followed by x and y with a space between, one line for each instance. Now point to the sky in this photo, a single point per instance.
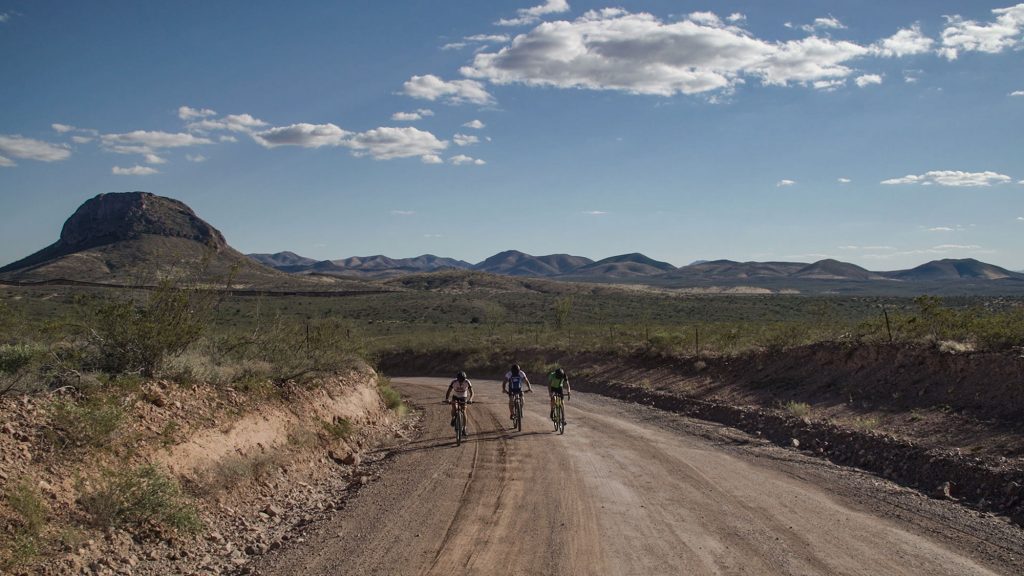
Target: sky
pixel 881 133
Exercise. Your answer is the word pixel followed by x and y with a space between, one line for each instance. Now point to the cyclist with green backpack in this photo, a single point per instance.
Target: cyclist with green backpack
pixel 558 385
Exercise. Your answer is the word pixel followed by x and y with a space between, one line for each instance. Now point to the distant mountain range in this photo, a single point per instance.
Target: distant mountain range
pixel 138 237
pixel 638 267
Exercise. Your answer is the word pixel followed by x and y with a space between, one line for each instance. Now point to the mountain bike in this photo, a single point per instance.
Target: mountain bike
pixel 517 410
pixel 558 415
pixel 460 420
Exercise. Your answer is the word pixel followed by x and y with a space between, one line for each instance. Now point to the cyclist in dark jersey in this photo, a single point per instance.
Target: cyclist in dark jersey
pixel 512 385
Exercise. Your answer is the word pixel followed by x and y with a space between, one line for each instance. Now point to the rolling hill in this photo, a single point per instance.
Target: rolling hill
pixel 950 269
pixel 138 238
pixel 515 263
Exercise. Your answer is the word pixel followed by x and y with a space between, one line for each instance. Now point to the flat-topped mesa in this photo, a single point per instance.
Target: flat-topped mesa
pixel 118 216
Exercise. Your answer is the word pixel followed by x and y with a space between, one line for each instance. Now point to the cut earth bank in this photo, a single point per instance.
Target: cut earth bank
pixel 256 467
pixel 948 424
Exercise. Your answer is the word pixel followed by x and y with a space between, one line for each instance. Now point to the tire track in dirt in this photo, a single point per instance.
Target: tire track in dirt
pixel 614 495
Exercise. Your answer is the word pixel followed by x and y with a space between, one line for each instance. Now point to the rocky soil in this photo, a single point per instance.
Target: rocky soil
pixel 253 492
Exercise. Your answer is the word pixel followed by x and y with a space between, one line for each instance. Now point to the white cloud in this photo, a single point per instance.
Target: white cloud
pixel 304 135
pixel 951 178
pixel 912 76
pixel 477 39
pixel 244 123
pixel 906 42
pixel 431 159
pixel 227 138
pixel 941 229
pixel 82 139
pixel 992 37
pixel 433 235
pixel 387 143
pixel 488 38
pixel 844 180
pixel 134 171
pixel 784 183
pixel 595 212
pixel 532 15
pixel 475 125
pixel 465 139
pixel 1017 93
pixel 154 159
pixel 613 49
pixel 461 159
pixel 403 212
pixel 146 142
pixel 430 87
pixel 62 128
pixel 829 23
pixel 383 143
pixel 411 116
pixel 1020 218
pixel 4 17
pixel 6 162
pixel 868 79
pixel 187 113
pixel 195 157
pixel 828 85
pixel 736 17
pixel 29 149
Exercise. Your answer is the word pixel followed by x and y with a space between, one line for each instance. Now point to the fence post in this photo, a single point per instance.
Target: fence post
pixel 888 327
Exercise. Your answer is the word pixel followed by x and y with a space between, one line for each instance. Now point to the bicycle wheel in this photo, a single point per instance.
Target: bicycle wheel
pixel 561 418
pixel 556 415
pixel 458 427
pixel 519 413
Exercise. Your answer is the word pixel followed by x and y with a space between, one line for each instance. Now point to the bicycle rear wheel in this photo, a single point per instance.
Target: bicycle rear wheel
pixel 458 427
pixel 519 414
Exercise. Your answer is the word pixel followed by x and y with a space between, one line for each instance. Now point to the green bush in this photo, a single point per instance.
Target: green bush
pixel 798 409
pixel 392 399
pixel 24 535
pixel 339 429
pixel 89 422
pixel 140 497
pixel 130 337
pixel 16 357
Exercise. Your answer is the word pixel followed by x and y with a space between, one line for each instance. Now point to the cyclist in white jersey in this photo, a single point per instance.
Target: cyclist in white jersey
pixel 513 384
pixel 461 392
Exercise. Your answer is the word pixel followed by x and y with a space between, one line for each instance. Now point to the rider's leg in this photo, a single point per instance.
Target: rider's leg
pixel 511 407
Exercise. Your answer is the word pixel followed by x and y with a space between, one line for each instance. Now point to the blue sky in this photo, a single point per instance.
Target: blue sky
pixel 880 133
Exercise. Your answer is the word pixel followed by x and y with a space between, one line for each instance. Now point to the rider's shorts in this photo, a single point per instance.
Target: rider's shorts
pixel 560 392
pixel 459 400
pixel 514 391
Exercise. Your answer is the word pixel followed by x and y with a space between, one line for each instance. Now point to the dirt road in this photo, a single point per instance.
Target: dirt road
pixel 630 490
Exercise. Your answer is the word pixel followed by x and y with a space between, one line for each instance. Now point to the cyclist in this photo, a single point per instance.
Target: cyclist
pixel 514 379
pixel 558 385
pixel 461 392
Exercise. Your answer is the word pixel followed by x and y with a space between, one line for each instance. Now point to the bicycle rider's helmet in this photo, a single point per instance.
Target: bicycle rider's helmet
pixel 461 376
pixel 560 374
pixel 515 369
